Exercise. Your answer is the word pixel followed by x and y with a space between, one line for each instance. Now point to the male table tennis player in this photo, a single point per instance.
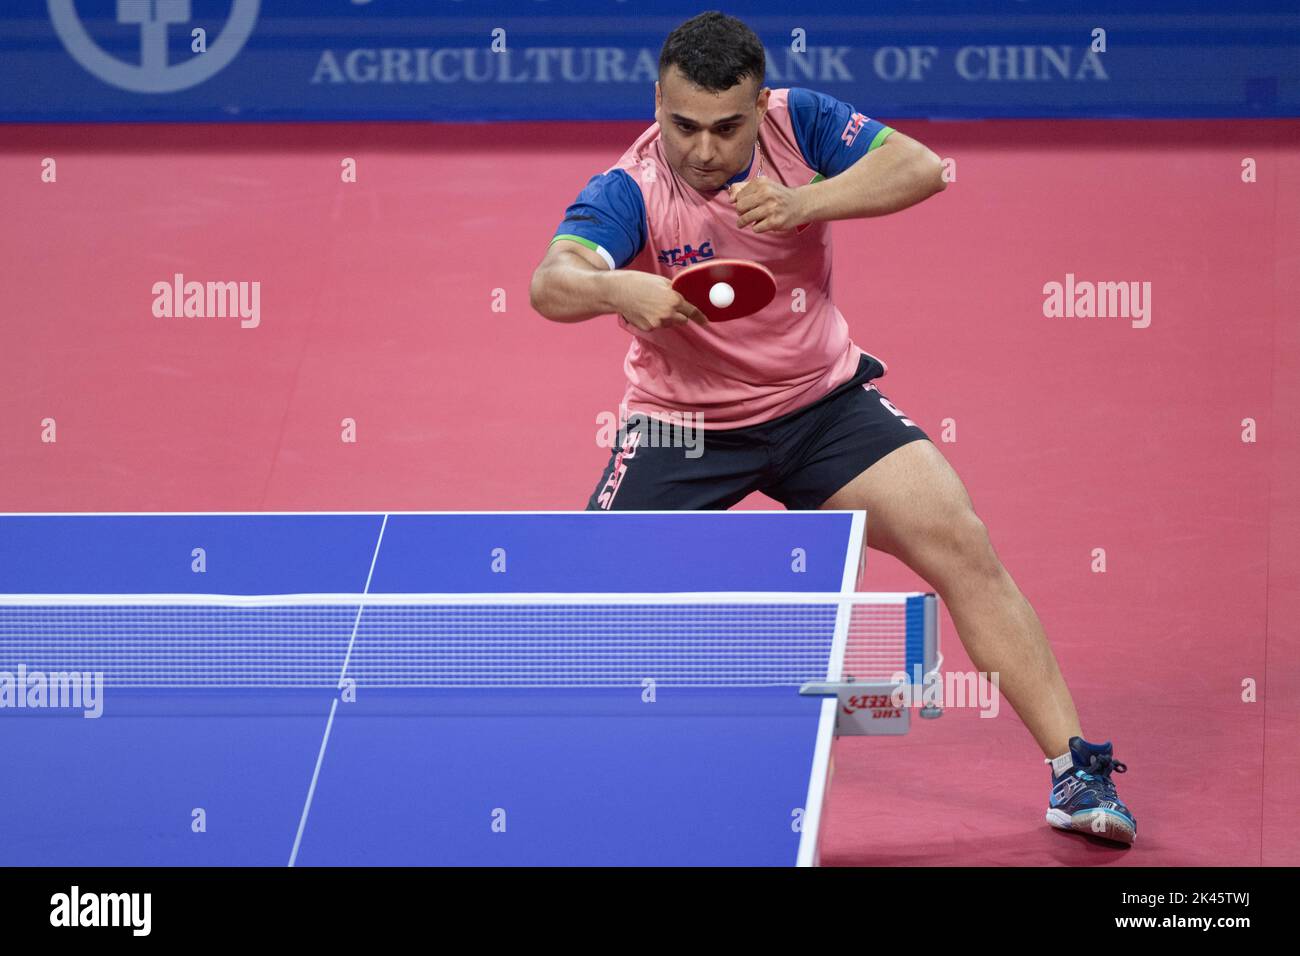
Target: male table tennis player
pixel 789 406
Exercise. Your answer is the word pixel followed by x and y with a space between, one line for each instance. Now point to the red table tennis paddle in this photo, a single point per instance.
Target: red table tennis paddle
pixel 754 287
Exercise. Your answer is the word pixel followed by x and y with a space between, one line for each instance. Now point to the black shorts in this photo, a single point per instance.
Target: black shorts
pixel 799 459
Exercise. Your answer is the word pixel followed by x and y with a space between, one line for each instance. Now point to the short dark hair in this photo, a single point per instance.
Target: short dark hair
pixel 714 51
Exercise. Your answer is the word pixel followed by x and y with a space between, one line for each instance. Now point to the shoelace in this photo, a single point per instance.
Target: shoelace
pixel 1100 767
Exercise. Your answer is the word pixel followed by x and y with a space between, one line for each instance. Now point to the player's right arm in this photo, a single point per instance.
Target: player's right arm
pixel 582 274
pixel 573 284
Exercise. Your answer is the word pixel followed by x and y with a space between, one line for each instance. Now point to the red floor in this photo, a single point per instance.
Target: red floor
pixel 1071 434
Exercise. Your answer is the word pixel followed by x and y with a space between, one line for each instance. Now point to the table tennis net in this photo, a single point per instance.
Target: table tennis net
pixel 760 640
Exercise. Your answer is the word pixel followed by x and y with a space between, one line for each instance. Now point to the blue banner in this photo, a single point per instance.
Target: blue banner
pixel 462 60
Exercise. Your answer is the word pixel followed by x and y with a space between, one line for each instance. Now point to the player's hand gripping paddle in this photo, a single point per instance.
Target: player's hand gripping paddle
pixel 726 289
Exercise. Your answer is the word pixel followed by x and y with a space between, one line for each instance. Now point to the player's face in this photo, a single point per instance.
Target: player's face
pixel 708 137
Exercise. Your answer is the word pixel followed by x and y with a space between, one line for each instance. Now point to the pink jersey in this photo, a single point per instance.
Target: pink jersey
pixel 776 361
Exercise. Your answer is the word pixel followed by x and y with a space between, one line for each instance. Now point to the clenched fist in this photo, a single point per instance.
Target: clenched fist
pixel 767 205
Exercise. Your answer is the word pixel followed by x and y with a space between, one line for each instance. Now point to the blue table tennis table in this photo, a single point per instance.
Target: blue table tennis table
pixel 421 688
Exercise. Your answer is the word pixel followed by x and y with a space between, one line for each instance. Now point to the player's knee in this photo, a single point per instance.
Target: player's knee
pixel 971 546
pixel 953 550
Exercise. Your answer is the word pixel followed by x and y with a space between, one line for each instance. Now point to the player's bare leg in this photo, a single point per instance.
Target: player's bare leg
pixel 919 511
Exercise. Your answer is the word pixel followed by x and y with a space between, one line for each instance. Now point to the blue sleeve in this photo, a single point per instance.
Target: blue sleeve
pixel 831 133
pixel 608 217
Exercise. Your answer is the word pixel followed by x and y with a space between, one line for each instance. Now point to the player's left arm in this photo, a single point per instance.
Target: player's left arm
pixel 898 173
pixel 864 168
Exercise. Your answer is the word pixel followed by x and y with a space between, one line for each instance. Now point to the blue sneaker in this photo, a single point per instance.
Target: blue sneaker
pixel 1083 795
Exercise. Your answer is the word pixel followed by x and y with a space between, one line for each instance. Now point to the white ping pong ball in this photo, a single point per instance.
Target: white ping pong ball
pixel 722 295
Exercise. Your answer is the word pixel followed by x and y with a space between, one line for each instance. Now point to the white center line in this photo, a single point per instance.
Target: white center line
pixel 311 791
pixel 329 723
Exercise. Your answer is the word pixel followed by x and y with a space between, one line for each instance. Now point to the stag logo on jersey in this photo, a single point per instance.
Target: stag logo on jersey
pixel 853 128
pixel 156 20
pixel 687 255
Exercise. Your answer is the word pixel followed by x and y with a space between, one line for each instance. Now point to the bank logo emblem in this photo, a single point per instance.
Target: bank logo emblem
pixel 153 74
